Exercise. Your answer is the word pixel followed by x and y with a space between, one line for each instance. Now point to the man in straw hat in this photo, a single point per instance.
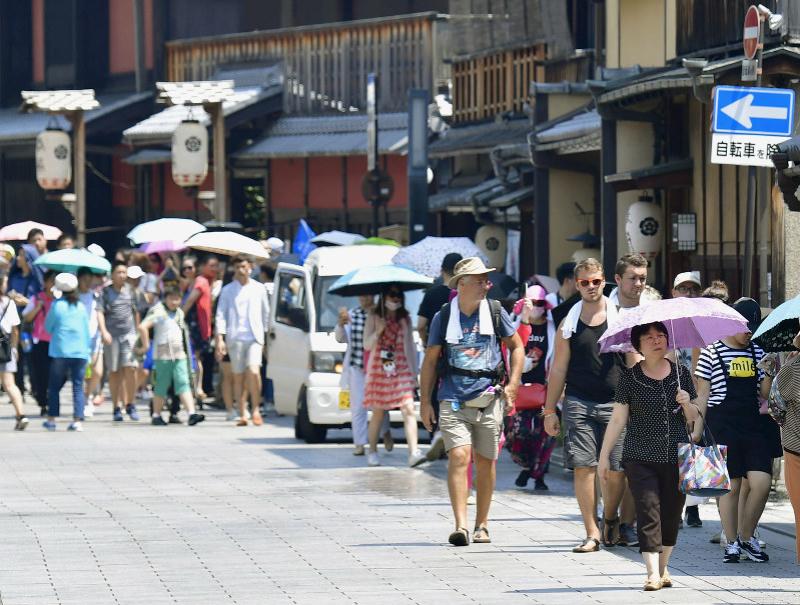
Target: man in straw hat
pixel 466 334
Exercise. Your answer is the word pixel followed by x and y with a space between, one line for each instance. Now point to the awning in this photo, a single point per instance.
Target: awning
pixel 144 157
pixel 677 173
pixel 21 128
pixel 575 134
pixel 677 78
pixel 329 135
pixel 247 102
pixel 480 138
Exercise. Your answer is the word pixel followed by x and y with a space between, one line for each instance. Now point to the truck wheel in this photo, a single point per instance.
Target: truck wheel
pixel 311 433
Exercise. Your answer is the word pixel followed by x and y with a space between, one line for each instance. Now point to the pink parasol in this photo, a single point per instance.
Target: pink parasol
pixel 162 246
pixel 691 323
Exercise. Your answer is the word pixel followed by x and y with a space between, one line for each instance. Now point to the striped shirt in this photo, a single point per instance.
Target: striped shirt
pixel 738 363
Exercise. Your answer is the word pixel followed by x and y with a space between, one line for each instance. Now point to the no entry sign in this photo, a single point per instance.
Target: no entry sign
pixel 751 29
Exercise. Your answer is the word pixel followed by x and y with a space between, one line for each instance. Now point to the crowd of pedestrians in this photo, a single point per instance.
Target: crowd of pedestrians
pixel 520 374
pixel 155 331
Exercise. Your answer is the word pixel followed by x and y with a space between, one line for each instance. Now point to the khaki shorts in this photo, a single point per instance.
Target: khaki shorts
pixel 479 428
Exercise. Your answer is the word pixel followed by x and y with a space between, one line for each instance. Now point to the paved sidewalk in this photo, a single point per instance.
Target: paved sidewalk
pixel 129 513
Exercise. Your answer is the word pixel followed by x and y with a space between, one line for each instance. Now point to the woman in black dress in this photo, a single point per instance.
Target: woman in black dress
pixel 653 402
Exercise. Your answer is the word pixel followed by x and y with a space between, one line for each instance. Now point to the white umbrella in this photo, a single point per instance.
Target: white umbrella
pixel 336 238
pixel 227 243
pixel 19 231
pixel 165 229
pixel 426 256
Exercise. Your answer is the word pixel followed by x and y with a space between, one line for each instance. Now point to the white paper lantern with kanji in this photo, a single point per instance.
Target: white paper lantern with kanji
pixel 53 159
pixel 645 228
pixel 189 154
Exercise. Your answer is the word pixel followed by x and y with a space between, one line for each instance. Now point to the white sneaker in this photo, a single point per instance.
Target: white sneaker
pixel 416 459
pixel 358 450
pixel 471 501
pixel 88 410
pixel 232 416
pixel 75 426
pixel 372 459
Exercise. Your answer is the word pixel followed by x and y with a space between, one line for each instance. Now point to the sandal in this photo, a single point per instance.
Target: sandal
pixel 460 537
pixel 610 532
pixel 588 545
pixel 666 581
pixel 480 535
pixel 651 585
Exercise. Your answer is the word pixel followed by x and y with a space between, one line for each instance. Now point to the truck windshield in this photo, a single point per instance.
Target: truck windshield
pixel 328 305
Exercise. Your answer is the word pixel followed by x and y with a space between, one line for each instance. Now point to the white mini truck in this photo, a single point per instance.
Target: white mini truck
pixel 304 359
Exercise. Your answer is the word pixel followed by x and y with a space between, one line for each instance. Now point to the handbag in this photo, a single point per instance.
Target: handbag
pixel 703 470
pixel 531 396
pixel 5 339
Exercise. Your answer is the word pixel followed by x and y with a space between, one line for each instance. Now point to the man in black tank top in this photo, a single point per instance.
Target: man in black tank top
pixel 590 379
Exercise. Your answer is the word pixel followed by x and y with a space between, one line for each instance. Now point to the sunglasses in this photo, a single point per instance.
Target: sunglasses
pixel 539 303
pixel 585 283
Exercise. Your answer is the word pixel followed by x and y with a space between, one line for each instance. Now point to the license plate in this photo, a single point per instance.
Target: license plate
pixel 344 400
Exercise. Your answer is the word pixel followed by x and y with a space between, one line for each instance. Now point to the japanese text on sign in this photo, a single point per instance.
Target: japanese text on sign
pixel 743 150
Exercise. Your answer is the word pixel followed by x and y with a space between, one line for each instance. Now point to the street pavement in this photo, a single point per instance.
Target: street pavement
pixel 129 513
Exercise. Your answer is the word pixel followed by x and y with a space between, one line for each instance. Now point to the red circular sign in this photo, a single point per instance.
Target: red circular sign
pixel 752 25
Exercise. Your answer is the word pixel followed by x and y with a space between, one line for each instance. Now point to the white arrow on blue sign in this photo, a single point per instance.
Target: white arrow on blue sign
pixel 764 111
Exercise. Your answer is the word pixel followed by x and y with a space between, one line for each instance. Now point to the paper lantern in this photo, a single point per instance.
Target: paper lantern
pixel 53 159
pixel 645 228
pixel 189 154
pixel 492 241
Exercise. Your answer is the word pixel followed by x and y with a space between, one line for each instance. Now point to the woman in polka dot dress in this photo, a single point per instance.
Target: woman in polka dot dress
pixel 653 404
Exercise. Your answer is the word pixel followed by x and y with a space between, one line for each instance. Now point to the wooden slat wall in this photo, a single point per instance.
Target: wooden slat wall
pixel 492 84
pixel 326 69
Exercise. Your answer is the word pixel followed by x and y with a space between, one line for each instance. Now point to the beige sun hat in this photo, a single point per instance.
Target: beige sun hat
pixel 468 266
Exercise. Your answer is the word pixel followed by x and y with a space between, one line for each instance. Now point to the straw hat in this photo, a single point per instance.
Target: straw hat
pixel 468 266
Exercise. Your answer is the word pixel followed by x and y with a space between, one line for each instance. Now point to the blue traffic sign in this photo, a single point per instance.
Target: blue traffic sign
pixel 740 110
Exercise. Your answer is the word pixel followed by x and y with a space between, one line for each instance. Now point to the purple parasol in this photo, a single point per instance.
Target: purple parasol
pixel 691 322
pixel 162 246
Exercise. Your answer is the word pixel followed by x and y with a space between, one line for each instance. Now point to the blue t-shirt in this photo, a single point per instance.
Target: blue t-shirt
pixel 473 352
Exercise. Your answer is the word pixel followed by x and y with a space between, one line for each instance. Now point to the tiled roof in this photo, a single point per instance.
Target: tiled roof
pixel 328 135
pixel 158 128
pixel 480 138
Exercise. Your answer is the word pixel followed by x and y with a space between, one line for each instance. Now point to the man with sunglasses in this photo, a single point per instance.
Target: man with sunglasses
pixel 590 379
pixel 471 408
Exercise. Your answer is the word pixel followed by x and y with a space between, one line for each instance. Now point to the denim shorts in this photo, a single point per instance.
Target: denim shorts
pixel 585 425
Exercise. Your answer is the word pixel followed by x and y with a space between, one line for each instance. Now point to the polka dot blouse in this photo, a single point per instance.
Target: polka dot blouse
pixel 654 429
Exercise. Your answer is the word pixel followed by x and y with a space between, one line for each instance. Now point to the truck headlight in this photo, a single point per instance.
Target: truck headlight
pixel 326 362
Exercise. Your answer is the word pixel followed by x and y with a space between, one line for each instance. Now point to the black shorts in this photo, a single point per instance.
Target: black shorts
pixel 747 447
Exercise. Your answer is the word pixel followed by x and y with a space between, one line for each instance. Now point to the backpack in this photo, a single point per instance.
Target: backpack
pixel 443 367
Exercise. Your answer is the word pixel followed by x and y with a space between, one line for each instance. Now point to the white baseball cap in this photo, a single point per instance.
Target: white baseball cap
pixel 687 276
pixel 66 282
pixel 135 272
pixel 275 244
pixel 96 249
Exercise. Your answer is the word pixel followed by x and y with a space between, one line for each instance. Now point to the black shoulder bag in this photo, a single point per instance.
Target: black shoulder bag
pixel 5 339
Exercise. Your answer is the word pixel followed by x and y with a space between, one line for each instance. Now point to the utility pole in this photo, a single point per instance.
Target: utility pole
pixel 749 236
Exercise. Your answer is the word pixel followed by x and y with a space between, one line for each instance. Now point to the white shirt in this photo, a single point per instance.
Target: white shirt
pixel 237 306
pixel 11 316
pixel 89 300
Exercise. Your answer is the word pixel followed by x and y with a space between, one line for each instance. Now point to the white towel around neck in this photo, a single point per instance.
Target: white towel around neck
pixel 571 320
pixel 454 332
